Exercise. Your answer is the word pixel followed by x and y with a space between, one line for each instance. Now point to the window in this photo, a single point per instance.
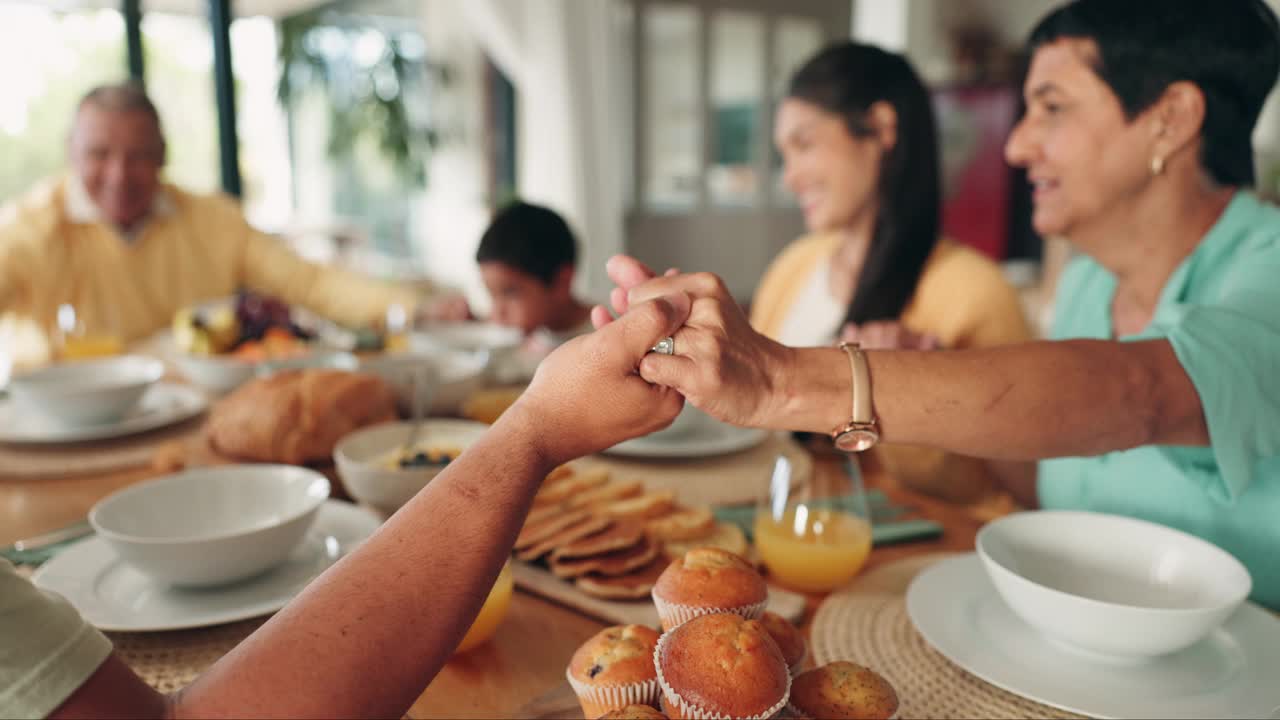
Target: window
pixel 673 120
pixel 48 59
pixel 705 80
pixel 357 85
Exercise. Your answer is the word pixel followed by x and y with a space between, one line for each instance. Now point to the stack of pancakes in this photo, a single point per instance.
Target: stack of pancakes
pixel 613 538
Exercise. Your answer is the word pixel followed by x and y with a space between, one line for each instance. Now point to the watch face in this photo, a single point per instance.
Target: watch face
pixel 857 440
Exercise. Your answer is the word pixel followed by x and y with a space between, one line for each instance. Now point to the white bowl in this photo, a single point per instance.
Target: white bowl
pixel 212 525
pixel 690 422
pixel 1115 588
pixel 360 454
pixel 453 374
pixel 89 392
pixel 501 344
pixel 333 360
pixel 218 374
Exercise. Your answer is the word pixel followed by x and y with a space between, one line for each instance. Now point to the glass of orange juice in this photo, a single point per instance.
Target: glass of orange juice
pixel 397 325
pixel 813 536
pixel 77 340
pixel 492 612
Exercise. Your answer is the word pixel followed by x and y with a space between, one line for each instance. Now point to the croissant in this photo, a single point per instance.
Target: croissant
pixel 298 416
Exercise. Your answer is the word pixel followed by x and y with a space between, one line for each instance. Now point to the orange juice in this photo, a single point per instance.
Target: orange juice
pixel 90 346
pixel 492 613
pixel 812 549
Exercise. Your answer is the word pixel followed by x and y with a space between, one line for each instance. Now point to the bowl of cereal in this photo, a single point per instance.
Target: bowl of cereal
pixel 379 469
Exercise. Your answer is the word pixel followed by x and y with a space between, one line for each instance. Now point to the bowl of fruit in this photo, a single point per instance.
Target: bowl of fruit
pixel 222 344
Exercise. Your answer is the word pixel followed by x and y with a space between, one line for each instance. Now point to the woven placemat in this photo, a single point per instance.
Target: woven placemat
pixel 867 623
pixel 733 479
pixel 169 661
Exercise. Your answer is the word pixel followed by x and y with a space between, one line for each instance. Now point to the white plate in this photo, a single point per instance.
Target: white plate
pixel 708 440
pixel 164 404
pixel 1231 673
pixel 113 596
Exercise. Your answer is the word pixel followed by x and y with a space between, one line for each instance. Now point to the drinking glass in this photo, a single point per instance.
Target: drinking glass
pixel 397 325
pixel 492 612
pixel 813 535
pixel 74 339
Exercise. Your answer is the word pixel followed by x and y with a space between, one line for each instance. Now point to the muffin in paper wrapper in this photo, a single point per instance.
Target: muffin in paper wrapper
pixel 673 615
pixel 689 710
pixel 599 699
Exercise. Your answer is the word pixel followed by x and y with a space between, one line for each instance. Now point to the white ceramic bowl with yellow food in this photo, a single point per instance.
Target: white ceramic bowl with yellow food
pixel 1113 588
pixel 380 472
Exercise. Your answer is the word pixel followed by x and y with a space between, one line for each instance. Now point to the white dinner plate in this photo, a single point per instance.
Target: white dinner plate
pixel 164 404
pixel 115 597
pixel 710 439
pixel 1233 672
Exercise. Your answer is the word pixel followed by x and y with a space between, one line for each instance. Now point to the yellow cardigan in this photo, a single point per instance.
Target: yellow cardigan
pixel 961 297
pixel 201 250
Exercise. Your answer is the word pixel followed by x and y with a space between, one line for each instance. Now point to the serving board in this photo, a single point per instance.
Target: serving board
pixel 539 581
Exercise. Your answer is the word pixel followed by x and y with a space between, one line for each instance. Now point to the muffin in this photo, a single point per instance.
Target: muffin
pixel 634 712
pixel 721 665
pixel 708 580
pixel 789 638
pixel 614 669
pixel 842 691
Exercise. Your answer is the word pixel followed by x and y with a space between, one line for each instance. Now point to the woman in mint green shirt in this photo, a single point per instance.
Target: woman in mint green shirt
pixel 1160 395
pixel 1220 312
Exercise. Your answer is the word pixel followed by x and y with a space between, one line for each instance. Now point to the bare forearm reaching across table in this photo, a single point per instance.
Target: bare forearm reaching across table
pixel 1018 402
pixel 366 637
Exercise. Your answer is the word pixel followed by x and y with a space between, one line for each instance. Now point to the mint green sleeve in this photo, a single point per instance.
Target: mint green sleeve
pixel 47 650
pixel 1229 345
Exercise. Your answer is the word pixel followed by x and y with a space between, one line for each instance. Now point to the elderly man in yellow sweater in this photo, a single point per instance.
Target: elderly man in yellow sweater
pixel 128 250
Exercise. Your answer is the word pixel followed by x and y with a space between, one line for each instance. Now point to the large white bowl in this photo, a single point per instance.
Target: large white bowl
pixel 452 374
pixel 359 456
pixel 500 344
pixel 212 525
pixel 89 392
pixel 1112 587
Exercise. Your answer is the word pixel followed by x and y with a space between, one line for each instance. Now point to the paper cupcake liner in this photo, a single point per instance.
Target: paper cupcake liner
pixel 796 714
pixel 603 698
pixel 673 615
pixel 797 667
pixel 696 712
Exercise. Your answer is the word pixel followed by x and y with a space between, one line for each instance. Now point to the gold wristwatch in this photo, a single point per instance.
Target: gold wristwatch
pixel 861 432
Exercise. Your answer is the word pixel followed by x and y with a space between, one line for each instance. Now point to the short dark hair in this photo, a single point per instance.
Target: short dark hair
pixel 529 238
pixel 1230 49
pixel 847 79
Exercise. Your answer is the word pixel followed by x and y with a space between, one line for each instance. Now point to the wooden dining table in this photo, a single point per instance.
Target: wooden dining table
pixel 526 658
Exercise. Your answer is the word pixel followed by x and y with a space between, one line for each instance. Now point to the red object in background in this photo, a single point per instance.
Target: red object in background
pixel 974 123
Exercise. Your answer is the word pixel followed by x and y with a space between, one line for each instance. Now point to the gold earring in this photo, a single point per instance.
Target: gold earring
pixel 1157 165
